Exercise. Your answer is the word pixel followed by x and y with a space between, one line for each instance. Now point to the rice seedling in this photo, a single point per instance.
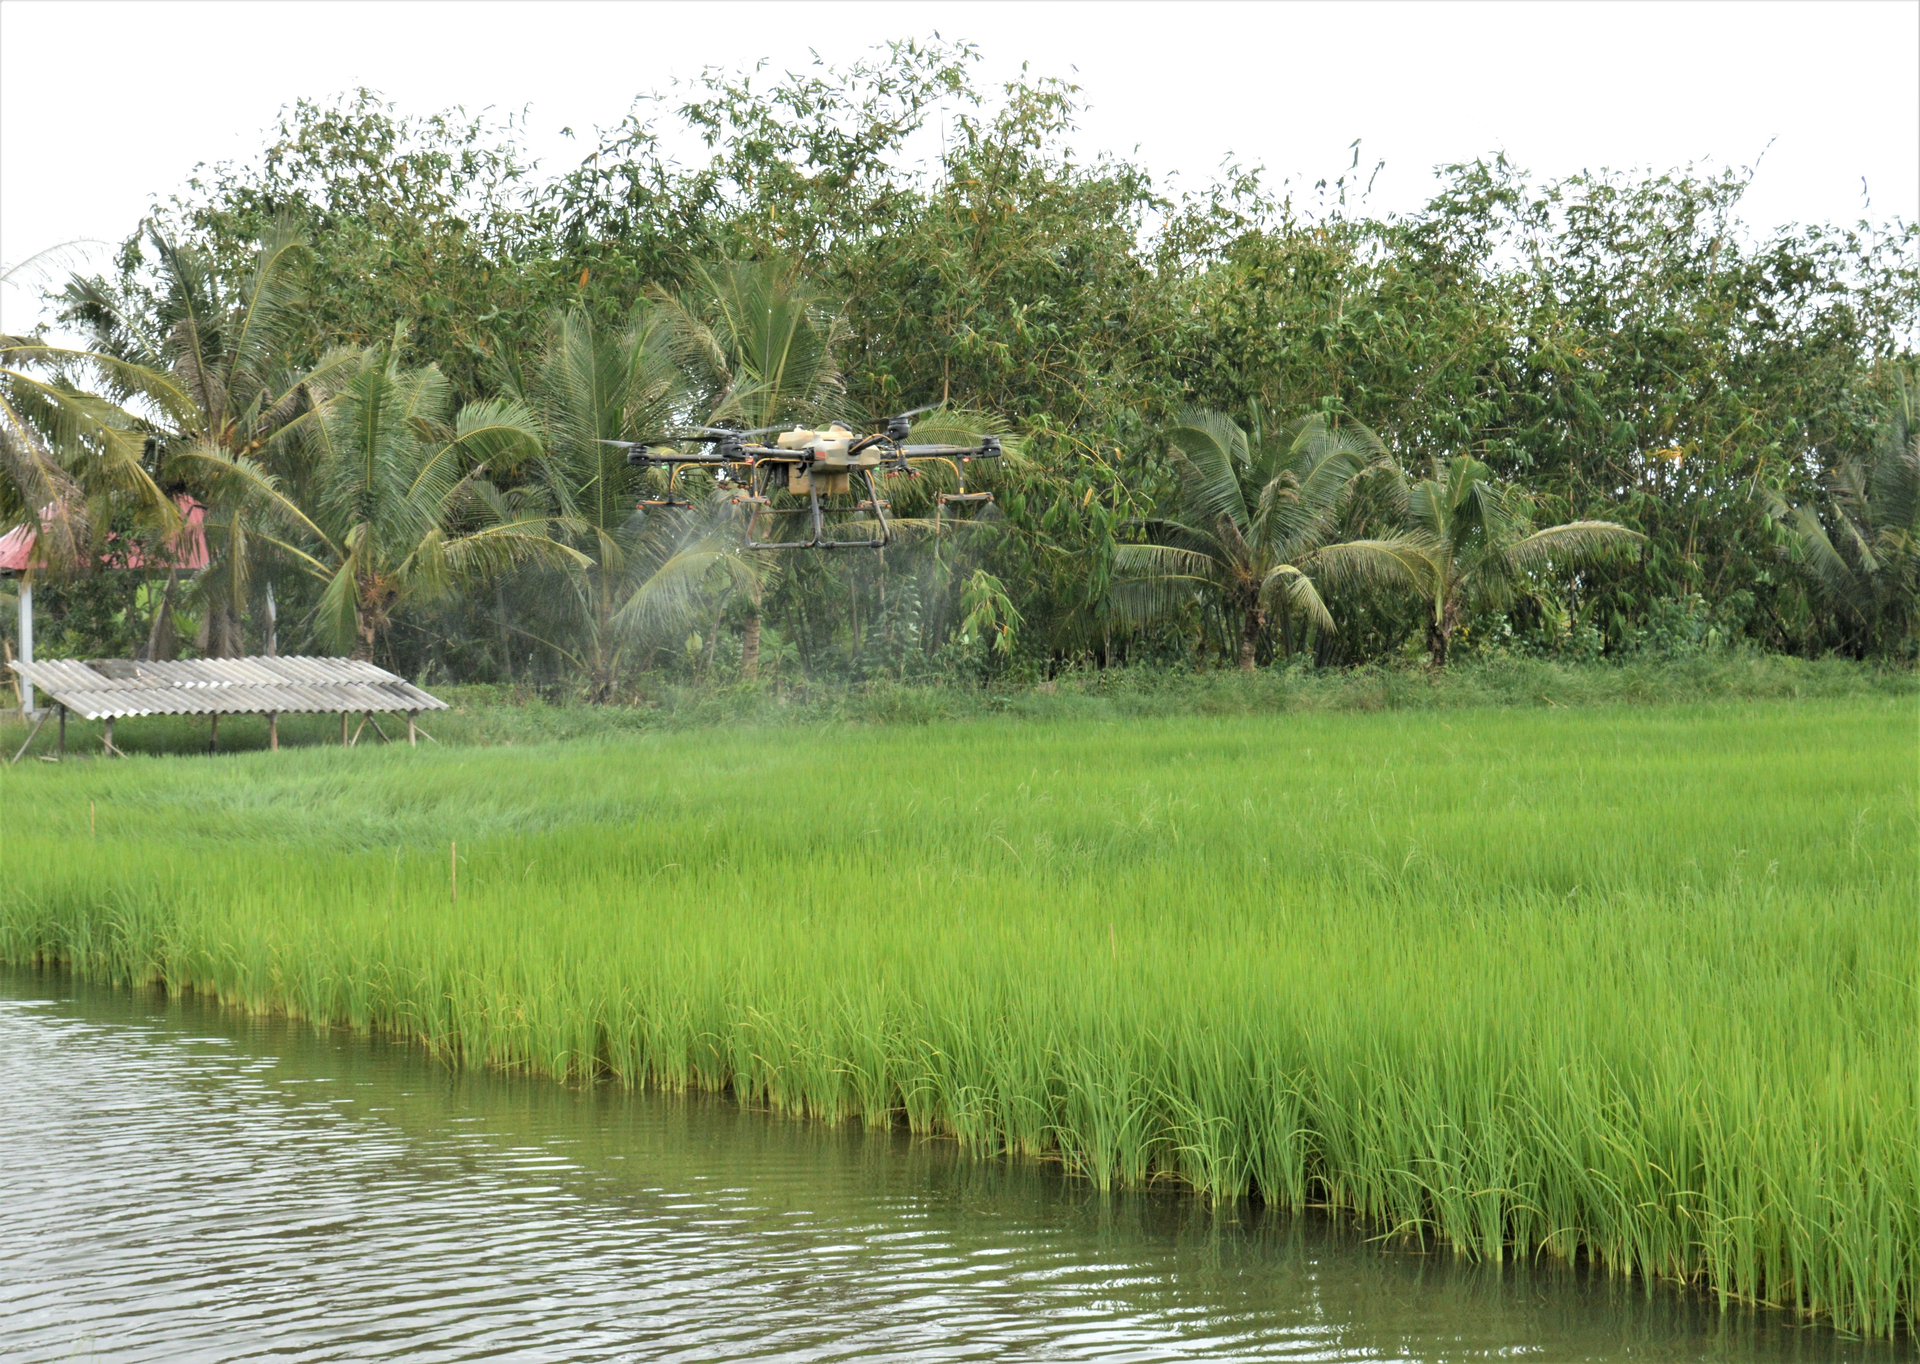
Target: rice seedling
pixel 1635 985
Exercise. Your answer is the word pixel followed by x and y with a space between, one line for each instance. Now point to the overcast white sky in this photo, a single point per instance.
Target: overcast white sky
pixel 106 106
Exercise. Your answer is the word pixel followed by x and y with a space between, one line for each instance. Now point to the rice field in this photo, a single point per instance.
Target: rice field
pixel 1639 986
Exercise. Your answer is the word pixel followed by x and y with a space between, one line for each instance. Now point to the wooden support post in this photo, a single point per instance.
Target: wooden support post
pixel 30 733
pixel 213 733
pixel 106 738
pixel 343 729
pixel 63 731
pixel 273 731
pixel 412 741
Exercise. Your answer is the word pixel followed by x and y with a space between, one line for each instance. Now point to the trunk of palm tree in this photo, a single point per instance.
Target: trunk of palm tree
pixel 366 625
pixel 601 658
pixel 500 620
pixel 1440 632
pixel 160 634
pixel 227 638
pixel 1253 622
pixel 750 644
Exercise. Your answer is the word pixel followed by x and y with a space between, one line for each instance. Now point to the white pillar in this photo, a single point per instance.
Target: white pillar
pixel 26 640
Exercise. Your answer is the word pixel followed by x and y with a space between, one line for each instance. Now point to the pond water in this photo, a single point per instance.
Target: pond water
pixel 182 1183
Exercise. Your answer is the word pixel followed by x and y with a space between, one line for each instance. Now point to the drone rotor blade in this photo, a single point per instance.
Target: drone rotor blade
pixel 902 416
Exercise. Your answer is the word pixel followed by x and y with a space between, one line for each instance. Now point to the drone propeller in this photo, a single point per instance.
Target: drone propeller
pixel 721 433
pixel 902 416
pixel 898 426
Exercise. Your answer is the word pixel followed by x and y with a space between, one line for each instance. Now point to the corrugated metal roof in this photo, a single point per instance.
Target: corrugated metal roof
pixel 224 686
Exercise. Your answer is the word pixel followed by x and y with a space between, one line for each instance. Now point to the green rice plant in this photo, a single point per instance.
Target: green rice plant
pixel 1640 985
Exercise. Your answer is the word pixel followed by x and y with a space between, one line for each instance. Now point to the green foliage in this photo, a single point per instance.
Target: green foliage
pixel 1608 347
pixel 1245 506
pixel 1861 547
pixel 1469 544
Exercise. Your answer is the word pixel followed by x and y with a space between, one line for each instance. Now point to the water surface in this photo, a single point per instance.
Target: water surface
pixel 183 1183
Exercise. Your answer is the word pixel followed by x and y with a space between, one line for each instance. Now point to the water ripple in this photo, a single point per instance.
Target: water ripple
pixel 182 1185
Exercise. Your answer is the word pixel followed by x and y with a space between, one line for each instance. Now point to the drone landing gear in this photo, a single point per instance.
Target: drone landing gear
pixel 874 503
pixel 961 497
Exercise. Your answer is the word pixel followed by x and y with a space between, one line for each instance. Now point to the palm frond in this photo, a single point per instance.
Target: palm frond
pixel 1299 593
pixel 1212 452
pixel 1573 545
pixel 1408 562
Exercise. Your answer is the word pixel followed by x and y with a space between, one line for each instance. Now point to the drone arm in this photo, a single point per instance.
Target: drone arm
pixel 988 448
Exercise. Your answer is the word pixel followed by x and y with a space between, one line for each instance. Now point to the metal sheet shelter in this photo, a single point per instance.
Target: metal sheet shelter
pixel 112 688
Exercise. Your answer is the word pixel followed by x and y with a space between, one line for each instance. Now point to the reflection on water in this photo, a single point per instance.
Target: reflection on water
pixel 185 1184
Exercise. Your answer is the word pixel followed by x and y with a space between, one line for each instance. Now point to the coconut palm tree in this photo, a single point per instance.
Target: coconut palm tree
pixel 1248 504
pixel 1862 547
pixel 398 505
pixel 68 453
pixel 1469 542
pixel 592 385
pixel 760 344
pixel 212 360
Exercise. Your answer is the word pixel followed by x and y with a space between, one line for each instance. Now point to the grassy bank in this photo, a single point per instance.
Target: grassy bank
pixel 1636 983
pixel 499 715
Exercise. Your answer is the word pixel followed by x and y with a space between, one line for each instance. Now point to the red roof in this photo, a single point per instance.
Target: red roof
pixel 187 549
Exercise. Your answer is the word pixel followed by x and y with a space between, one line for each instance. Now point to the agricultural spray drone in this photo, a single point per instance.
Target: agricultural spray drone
pixel 810 473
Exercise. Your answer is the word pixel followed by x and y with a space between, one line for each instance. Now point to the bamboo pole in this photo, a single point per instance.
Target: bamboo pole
pixel 343 730
pixel 412 740
pixel 213 733
pixel 273 731
pixel 106 738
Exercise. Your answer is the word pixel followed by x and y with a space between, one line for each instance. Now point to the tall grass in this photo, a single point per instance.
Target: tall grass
pixel 1636 985
pixel 512 714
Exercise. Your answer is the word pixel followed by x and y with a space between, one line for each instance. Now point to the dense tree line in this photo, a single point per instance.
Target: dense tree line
pixel 1246 424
